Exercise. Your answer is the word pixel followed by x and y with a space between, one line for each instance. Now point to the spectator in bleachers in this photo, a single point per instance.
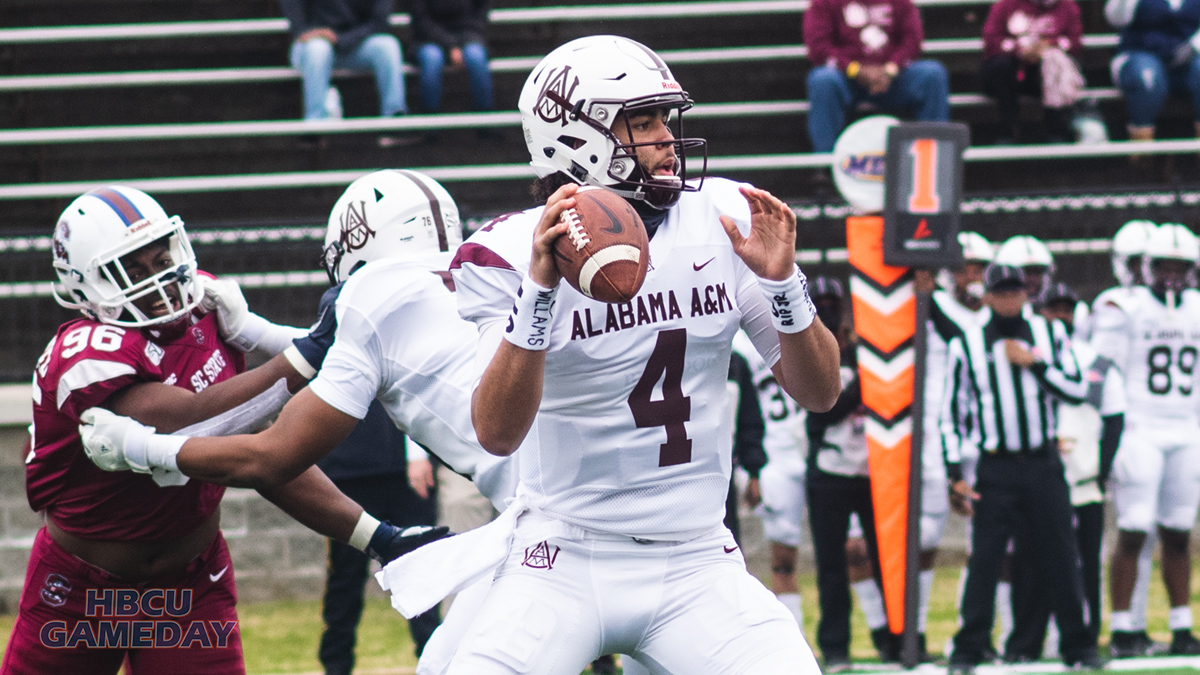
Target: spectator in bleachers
pixel 866 50
pixel 450 34
pixel 1157 55
pixel 353 34
pixel 1026 48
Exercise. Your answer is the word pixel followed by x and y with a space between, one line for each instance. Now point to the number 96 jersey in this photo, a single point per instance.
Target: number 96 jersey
pixel 632 436
pixel 1156 347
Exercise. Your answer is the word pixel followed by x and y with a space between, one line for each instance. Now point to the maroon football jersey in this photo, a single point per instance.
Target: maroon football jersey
pixel 83 365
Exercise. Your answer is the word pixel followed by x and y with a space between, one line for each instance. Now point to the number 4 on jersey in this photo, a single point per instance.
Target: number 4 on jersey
pixel 673 409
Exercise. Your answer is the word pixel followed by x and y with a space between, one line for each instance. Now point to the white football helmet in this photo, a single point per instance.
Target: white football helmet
pixel 1129 242
pixel 92 235
pixel 1171 241
pixel 1026 251
pixel 573 96
pixel 976 248
pixel 391 213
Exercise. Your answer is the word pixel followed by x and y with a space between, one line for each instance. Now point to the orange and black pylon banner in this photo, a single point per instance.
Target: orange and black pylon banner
pixel 885 318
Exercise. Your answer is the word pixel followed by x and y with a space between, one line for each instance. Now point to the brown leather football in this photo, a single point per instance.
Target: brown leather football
pixel 605 252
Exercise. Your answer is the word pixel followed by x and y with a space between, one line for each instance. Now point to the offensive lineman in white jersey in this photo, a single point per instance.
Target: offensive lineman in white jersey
pixel 1153 335
pixel 401 342
pixel 616 541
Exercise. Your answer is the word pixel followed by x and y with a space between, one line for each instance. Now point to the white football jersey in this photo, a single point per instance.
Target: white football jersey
pixel 785 439
pixel 1155 348
pixel 400 340
pixel 843 450
pixel 632 436
pixel 948 317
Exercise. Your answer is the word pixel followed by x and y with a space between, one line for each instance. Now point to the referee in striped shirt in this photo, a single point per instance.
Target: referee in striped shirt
pixel 1007 375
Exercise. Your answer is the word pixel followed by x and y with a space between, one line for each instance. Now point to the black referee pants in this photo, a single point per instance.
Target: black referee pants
pixel 1031 607
pixel 831 500
pixel 1023 497
pixel 388 498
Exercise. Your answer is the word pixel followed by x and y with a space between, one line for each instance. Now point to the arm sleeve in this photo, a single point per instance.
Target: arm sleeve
pixel 1112 426
pixel 352 373
pixel 245 418
pixel 848 401
pixel 1120 12
pixel 749 426
pixel 820 26
pixel 297 16
pixel 1073 30
pixel 377 22
pixel 476 22
pixel 995 31
pixel 951 421
pixel 1061 375
pixel 911 34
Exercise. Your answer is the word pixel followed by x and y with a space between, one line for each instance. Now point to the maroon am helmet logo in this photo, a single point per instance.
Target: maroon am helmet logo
pixel 563 83
pixel 356 232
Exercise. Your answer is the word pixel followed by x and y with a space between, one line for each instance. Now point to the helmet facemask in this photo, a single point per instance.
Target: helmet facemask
pixel 626 174
pixel 107 291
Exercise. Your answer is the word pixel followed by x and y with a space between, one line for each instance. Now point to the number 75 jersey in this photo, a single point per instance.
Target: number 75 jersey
pixel 1156 348
pixel 632 435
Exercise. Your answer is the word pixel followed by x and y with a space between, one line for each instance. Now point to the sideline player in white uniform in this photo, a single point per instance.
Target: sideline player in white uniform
pixel 390 230
pixel 1153 335
pixel 958 303
pixel 616 541
pixel 1128 247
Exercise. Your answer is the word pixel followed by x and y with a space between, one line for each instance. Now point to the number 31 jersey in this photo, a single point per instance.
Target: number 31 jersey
pixel 1156 349
pixel 632 435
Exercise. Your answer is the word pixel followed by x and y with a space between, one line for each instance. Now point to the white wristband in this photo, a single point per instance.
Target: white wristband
pixel 792 310
pixel 301 364
pixel 153 451
pixel 529 322
pixel 363 531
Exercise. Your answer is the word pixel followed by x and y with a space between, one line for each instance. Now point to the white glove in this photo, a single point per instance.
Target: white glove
pixel 116 443
pixel 241 328
pixel 224 297
pixel 110 440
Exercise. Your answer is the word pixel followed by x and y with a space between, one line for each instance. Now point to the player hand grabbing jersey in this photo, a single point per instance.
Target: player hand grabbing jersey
pixel 410 350
pixel 625 445
pixel 146 349
pixel 1153 335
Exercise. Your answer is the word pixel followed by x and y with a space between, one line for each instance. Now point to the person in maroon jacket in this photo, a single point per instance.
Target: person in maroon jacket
pixel 1016 36
pixel 866 50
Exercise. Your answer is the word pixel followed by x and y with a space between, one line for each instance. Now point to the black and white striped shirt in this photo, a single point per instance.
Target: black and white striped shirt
pixel 1012 409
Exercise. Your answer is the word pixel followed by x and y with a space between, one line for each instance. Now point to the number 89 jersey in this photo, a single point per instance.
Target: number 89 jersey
pixel 632 435
pixel 1156 348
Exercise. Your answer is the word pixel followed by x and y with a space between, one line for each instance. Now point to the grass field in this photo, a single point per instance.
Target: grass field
pixel 282 637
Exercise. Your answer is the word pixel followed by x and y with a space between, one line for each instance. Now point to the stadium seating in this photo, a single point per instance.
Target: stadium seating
pixel 194 102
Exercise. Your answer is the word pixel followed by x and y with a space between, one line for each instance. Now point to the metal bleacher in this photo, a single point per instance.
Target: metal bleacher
pixel 203 114
pixel 777 56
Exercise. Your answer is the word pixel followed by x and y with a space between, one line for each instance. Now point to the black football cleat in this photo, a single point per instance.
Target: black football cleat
pixel 1183 643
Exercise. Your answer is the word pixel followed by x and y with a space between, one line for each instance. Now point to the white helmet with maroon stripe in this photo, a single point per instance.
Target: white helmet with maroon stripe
pixel 573 96
pixel 387 214
pixel 91 237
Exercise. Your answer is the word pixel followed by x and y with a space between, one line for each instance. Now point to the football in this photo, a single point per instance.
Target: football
pixel 605 252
